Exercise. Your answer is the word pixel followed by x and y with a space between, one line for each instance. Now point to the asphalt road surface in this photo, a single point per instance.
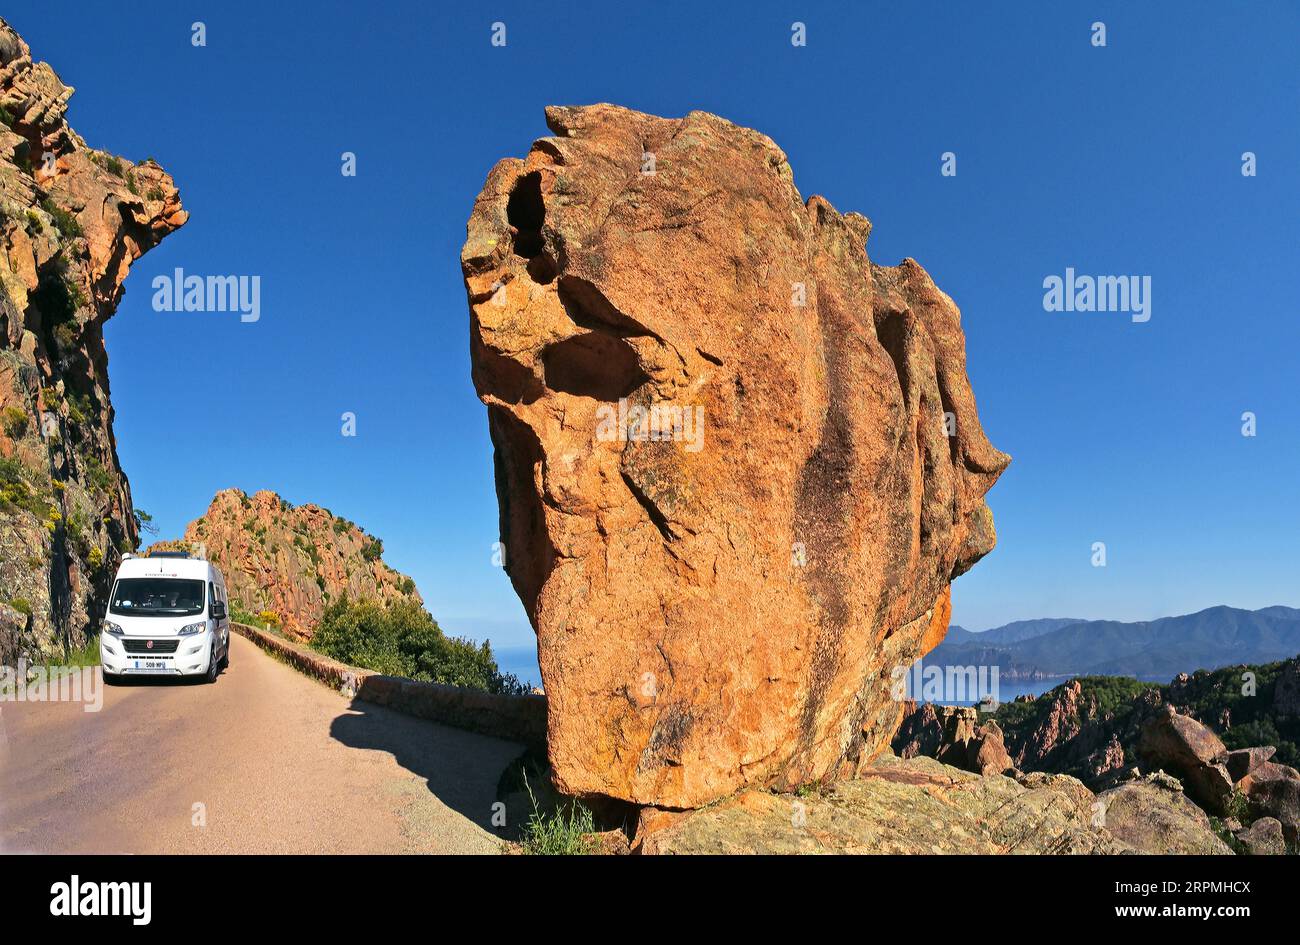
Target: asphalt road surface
pixel 263 761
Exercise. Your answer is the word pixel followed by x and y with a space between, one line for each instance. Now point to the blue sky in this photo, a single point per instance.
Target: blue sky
pixel 1122 160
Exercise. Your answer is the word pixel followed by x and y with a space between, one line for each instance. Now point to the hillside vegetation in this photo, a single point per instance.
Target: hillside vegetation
pixel 401 638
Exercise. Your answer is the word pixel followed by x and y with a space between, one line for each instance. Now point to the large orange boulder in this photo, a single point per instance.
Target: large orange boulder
pixel 738 463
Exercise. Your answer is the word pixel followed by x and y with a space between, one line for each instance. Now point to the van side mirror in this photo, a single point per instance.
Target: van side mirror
pixel 218 610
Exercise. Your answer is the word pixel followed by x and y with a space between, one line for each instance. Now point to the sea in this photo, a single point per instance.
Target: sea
pixel 1008 689
pixel 520 660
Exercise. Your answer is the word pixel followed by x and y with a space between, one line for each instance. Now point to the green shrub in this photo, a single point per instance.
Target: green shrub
pixel 79 532
pixel 17 492
pixel 1238 808
pixel 34 222
pixel 7 117
pixel 402 639
pixel 240 615
pixel 80 408
pixel 155 193
pixel 14 421
pixel 58 298
pixel 65 222
pixel 374 550
pixel 66 333
pixel 114 165
pixel 144 522
pixel 22 605
pixel 98 475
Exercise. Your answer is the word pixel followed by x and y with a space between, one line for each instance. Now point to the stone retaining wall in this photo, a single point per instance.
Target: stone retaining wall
pixel 517 718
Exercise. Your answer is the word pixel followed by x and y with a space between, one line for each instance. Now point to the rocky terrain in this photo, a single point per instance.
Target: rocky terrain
pixel 921 806
pixel 738 463
pixel 72 221
pixel 286 562
pixel 1227 740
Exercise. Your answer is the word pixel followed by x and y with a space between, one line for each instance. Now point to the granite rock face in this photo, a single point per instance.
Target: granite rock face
pixel 291 561
pixel 953 735
pixel 738 463
pixel 1152 817
pixel 1184 747
pixel 913 806
pixel 72 221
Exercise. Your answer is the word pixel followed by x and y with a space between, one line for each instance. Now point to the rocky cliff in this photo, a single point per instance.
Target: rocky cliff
pixel 291 561
pixel 72 220
pixel 1228 738
pixel 738 463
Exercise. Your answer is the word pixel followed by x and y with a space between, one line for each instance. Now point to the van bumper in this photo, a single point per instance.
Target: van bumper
pixel 189 659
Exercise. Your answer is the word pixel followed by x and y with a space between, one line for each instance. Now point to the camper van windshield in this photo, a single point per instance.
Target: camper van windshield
pixel 157 597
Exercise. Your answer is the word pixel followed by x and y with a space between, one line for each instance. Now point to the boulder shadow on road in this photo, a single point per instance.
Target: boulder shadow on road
pixel 462 769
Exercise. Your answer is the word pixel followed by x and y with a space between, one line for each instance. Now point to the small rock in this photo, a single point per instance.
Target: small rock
pixel 1153 818
pixel 1168 782
pixel 1183 746
pixel 609 843
pixel 1279 798
pixel 1264 837
pixel 1245 760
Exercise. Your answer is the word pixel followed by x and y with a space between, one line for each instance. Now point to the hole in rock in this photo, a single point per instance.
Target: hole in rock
pixel 587 306
pixel 541 268
pixel 593 365
pixel 525 212
pixel 892 332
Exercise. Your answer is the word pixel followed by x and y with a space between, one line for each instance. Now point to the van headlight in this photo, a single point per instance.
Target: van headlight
pixel 111 628
pixel 193 628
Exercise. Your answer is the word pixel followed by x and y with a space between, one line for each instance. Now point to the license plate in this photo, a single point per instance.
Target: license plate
pixel 151 666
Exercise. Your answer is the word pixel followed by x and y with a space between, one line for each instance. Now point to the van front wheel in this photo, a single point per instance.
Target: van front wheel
pixel 213 666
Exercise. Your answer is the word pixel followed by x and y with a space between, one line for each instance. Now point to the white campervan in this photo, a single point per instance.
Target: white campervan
pixel 167 615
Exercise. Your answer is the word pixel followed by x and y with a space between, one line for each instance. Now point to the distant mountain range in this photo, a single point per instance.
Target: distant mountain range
pixel 1150 649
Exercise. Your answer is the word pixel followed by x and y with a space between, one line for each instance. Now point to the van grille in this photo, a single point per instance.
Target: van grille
pixel 142 646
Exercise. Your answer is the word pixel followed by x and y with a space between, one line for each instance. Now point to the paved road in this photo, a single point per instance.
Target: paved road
pixel 281 764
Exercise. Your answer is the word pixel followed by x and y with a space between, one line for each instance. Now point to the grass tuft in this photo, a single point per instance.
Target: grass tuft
pixel 557 833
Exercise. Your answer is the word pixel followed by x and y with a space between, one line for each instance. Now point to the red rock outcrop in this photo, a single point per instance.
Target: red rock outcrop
pixel 72 220
pixel 1184 747
pixel 738 463
pixel 291 560
pixel 953 735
